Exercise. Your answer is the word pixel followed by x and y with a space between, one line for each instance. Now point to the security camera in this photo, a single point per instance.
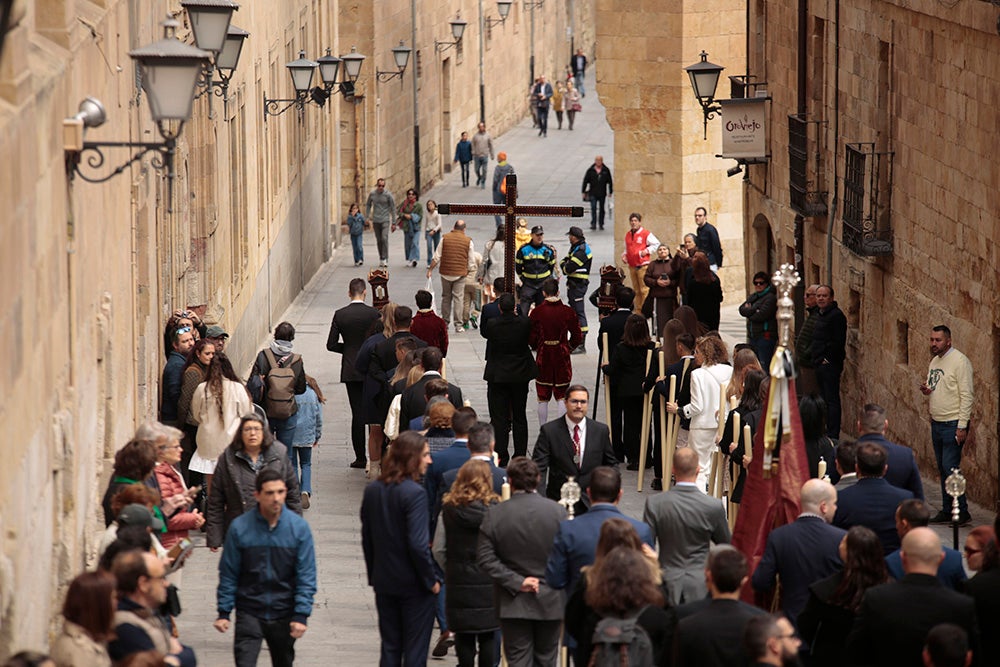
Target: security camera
pixel 732 171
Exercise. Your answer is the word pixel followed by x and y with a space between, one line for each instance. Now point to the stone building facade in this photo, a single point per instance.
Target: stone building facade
pixel 882 182
pixel 663 167
pixel 95 269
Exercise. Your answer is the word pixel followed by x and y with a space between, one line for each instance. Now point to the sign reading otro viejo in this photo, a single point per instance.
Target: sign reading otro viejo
pixel 744 128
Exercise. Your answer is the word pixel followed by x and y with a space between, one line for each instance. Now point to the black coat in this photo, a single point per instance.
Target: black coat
pixel 614 326
pixel 713 637
pixel 469 603
pixel 705 299
pixel 598 185
pixel 829 340
pixel 895 618
pixel 985 590
pixel 508 357
pixel 627 370
pixel 414 403
pixel 350 323
pixel 824 625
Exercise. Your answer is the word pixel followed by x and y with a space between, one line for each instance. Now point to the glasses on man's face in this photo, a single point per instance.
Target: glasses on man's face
pixel 759 282
pixel 174 446
pixel 577 401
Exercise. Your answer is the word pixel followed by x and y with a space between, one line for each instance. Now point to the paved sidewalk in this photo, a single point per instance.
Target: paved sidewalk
pixel 343 629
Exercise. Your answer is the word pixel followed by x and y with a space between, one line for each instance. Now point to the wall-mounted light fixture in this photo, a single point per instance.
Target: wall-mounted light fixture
pixel 211 23
pixel 170 70
pixel 401 56
pixel 704 80
pixel 302 70
pixel 503 8
pixel 457 30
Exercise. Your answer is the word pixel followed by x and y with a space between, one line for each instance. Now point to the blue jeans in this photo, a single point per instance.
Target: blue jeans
pixel 578 78
pixel 481 163
pixel 439 611
pixel 357 245
pixel 411 244
pixel 283 430
pixel 302 457
pixel 432 245
pixel 764 349
pixel 596 214
pixel 948 454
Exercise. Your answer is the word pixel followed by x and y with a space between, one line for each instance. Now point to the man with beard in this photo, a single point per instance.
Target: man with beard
pixel 771 640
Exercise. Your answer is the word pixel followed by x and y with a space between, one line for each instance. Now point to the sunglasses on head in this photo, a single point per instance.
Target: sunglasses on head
pixel 184 330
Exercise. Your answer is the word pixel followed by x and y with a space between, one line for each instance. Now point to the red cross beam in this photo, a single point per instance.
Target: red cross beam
pixel 510 210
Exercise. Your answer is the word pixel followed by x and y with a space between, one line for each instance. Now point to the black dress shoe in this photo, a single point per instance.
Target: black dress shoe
pixel 632 466
pixel 657 484
pixel 359 464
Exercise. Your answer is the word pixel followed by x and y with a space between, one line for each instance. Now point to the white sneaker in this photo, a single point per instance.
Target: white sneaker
pixel 305 500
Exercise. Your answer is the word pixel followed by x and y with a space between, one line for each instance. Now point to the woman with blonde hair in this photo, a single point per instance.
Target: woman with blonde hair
pixel 469 604
pixel 705 408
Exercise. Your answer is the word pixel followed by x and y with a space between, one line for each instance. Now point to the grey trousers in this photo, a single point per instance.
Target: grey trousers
pixel 530 643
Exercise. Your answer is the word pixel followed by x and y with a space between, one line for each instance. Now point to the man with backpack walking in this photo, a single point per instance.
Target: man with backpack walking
pixel 277 376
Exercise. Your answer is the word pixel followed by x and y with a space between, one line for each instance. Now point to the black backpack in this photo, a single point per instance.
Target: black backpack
pixel 621 642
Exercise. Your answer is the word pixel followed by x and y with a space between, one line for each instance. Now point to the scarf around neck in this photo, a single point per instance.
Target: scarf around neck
pixel 281 348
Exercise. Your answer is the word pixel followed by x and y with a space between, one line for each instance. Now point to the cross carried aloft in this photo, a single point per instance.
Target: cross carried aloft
pixel 510 210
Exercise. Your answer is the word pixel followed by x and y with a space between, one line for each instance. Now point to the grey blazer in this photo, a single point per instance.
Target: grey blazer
pixel 685 521
pixel 514 542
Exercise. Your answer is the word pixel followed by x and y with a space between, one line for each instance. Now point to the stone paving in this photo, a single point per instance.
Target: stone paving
pixel 343 629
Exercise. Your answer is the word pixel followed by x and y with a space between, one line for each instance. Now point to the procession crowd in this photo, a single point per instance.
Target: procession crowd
pixel 524 555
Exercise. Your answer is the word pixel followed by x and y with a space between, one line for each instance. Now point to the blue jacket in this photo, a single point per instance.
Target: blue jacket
pixel 951 572
pixel 576 543
pixel 394 537
pixel 903 472
pixel 356 224
pixel 268 573
pixel 463 152
pixel 308 419
pixel 872 503
pixel 173 375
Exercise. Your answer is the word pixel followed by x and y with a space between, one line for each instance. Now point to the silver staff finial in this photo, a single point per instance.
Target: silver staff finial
pixel 784 280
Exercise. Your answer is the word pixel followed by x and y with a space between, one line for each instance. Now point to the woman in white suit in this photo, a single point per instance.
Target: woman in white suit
pixel 705 406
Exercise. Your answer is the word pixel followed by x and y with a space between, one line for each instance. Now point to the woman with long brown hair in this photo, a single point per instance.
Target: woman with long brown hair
pixel 834 602
pixel 627 370
pixel 469 603
pixel 624 578
pixel 195 370
pixel 395 521
pixel 374 417
pixel 217 406
pixel 88 622
pixel 703 292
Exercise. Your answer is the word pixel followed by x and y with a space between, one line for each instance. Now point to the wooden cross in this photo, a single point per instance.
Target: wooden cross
pixel 510 210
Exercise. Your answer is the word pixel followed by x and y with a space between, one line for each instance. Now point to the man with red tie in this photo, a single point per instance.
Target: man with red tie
pixel 573 446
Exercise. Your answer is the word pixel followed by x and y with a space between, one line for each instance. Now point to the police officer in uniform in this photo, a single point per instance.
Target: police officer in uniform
pixel 576 267
pixel 534 263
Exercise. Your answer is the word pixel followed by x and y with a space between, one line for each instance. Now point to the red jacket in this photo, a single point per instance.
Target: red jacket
pixel 431 329
pixel 181 521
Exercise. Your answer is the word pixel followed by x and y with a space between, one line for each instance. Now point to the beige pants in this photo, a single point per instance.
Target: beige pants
pixel 452 298
pixel 641 289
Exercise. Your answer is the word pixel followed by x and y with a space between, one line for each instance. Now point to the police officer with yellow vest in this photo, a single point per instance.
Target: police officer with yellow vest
pixel 576 267
pixel 534 262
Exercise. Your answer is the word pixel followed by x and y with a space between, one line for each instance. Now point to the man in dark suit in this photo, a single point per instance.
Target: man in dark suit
pixel 414 400
pixel 686 522
pixel 872 502
pixel 383 360
pixel 903 472
pixel 481 443
pixel 510 366
pixel 892 624
pixel 491 309
pixel 576 541
pixel 681 369
pixel 352 323
pixel 514 543
pixel 912 514
pixel 804 551
pixel 710 630
pixel 573 446
pixel 613 324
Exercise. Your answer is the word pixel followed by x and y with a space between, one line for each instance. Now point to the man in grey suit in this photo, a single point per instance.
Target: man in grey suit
pixel 573 446
pixel 514 543
pixel 686 522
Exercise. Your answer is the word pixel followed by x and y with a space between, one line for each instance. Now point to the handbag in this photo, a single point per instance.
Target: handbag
pixel 575 106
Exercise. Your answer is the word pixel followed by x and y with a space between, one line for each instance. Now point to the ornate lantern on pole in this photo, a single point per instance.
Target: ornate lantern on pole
pixel 379 280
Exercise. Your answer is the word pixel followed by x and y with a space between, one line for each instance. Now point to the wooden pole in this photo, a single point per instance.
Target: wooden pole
pixel 675 427
pixel 607 388
pixel 646 416
pixel 667 464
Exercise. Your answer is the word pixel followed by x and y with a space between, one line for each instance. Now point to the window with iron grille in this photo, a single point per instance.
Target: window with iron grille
pixel 867 200
pixel 805 197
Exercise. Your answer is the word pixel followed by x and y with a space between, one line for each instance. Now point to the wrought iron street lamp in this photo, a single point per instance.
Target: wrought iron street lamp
pixel 170 70
pixel 704 80
pixel 457 30
pixel 211 23
pixel 503 8
pixel 401 56
pixel 302 71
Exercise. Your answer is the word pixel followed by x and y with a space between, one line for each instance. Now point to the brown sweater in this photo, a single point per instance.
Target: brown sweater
pixel 454 253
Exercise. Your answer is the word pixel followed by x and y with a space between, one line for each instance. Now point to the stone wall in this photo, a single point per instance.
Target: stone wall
pixel 916 80
pixel 663 167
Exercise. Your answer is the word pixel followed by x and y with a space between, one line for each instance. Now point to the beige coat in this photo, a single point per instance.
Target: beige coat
pixel 215 432
pixel 75 648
